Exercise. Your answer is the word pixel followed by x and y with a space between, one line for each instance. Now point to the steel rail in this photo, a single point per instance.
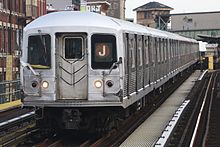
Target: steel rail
pixel 200 113
pixel 16 119
pixel 209 114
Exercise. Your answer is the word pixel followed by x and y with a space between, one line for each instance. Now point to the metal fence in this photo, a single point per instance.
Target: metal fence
pixel 9 91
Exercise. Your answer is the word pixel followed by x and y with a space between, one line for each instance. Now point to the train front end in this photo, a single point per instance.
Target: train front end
pixel 37 72
pixel 71 72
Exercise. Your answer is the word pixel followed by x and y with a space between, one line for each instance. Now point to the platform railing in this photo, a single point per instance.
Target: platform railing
pixel 9 91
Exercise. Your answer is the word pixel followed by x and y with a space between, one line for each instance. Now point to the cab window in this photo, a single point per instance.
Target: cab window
pixel 39 51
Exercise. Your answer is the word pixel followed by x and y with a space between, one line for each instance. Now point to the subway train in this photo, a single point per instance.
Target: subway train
pixel 82 70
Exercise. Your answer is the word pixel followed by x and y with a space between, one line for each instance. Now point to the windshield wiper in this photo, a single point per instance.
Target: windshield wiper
pixel 116 64
pixel 24 64
pixel 44 46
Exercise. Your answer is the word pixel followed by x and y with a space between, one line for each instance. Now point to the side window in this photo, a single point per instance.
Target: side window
pixel 140 57
pixel 165 49
pixel 162 49
pixel 146 44
pixel 125 39
pixel 171 49
pixel 168 49
pixel 158 48
pixel 153 48
pixel 177 45
pixel 176 51
pixel 73 47
pixel 132 53
pixel 174 48
pixel 132 50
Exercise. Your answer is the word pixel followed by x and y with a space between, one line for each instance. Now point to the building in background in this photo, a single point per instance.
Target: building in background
pixel 13 17
pixel 96 6
pixel 194 24
pixel 35 8
pixel 61 5
pixel 113 8
pixel 12 20
pixel 116 9
pixel 152 13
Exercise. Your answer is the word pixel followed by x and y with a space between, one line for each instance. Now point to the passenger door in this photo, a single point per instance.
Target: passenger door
pixel 72 66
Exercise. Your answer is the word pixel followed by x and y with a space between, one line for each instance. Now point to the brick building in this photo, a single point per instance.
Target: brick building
pixel 115 8
pixel 148 14
pixel 12 16
pixel 35 8
pixel 12 21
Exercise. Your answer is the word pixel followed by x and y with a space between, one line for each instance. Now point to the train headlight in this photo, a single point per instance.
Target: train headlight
pixel 45 84
pixel 98 84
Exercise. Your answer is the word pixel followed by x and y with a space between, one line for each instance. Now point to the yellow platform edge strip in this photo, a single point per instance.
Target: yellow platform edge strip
pixel 9 105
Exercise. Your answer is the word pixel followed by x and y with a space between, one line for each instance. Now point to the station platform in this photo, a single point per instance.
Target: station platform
pixel 147 134
pixel 9 105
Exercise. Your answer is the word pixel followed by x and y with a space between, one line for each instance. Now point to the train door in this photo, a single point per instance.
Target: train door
pixel 139 58
pixel 152 59
pixel 161 64
pixel 132 64
pixel 126 61
pixel 157 45
pixel 146 58
pixel 166 56
pixel 178 54
pixel 72 66
pixel 172 56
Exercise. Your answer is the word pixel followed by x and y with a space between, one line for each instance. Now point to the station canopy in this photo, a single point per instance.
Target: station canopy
pixel 209 38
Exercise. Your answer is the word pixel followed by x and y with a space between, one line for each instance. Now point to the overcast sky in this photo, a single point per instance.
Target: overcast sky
pixel 180 6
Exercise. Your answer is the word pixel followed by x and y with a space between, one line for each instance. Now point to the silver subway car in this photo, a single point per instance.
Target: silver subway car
pixel 77 67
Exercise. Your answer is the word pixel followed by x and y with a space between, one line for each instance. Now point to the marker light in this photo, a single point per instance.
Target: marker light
pixel 98 84
pixel 109 83
pixel 45 84
pixel 34 84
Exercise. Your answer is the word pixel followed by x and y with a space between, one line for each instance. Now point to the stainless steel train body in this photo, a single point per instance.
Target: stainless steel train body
pixel 83 59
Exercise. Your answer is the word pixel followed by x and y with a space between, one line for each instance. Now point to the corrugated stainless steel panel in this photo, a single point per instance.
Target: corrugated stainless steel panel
pixel 140 79
pixel 132 84
pixel 146 76
pixel 158 71
pixel 125 90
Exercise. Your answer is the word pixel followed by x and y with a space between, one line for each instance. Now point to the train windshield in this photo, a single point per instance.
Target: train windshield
pixel 39 51
pixel 103 51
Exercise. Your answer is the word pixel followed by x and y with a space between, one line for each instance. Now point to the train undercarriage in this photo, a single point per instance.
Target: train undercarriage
pixel 100 119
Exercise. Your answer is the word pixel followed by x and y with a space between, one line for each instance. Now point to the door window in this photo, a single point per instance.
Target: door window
pixel 73 47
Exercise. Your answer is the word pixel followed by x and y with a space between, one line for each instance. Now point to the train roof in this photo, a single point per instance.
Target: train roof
pixel 89 19
pixel 71 18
